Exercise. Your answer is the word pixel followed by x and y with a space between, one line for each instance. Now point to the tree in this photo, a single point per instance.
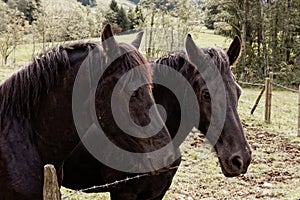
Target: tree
pixel 12 28
pixel 64 22
pixel 91 3
pixel 135 17
pixel 114 6
pixel 118 17
pixel 27 7
pixel 270 35
pixel 167 23
pixel 122 19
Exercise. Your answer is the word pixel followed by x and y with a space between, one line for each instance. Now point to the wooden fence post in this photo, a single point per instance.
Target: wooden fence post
pixel 268 98
pixel 299 112
pixel 51 190
pixel 257 100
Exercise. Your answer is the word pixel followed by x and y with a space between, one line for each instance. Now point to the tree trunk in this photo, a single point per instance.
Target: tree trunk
pixel 151 34
pixel 263 39
pixel 5 59
pixel 244 32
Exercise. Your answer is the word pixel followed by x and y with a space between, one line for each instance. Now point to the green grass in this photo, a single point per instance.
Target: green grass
pixel 204 37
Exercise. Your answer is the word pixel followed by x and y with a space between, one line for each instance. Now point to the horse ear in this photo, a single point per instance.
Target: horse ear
pixel 195 55
pixel 108 41
pixel 234 50
pixel 137 41
pixel 191 48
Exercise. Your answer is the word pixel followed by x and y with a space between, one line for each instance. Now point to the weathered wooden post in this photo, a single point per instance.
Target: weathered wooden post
pixel 257 100
pixel 268 98
pixel 299 112
pixel 51 190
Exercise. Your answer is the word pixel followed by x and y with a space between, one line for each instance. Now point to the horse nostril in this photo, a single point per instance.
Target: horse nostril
pixel 237 162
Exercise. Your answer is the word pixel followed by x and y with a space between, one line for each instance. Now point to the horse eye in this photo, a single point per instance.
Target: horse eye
pixel 210 53
pixel 134 94
pixel 206 95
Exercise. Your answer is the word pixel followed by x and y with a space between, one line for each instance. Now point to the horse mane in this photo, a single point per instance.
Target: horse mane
pixel 22 89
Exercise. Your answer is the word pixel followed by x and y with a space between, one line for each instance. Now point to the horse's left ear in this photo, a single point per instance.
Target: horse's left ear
pixel 191 49
pixel 109 43
pixel 137 41
pixel 234 50
pixel 195 54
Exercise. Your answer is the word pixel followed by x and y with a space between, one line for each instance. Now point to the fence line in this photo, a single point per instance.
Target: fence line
pixel 261 85
pixel 268 87
pixel 284 87
pixel 252 84
pixel 118 182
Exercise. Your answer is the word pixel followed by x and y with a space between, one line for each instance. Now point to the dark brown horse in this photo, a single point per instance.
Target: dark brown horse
pixel 36 121
pixel 209 73
pixel 228 138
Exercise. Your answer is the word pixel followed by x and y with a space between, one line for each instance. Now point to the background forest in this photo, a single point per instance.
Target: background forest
pixel 269 29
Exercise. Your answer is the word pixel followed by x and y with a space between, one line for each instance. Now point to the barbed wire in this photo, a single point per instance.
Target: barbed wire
pixel 284 87
pixel 252 84
pixel 107 185
pixel 262 85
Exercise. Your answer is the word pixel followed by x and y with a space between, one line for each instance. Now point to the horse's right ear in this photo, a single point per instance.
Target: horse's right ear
pixel 234 50
pixel 137 41
pixel 109 43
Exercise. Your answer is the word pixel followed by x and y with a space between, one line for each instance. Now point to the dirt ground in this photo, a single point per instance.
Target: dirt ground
pixel 273 174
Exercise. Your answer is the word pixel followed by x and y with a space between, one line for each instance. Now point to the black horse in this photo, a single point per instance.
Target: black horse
pixel 82 170
pixel 36 121
pixel 201 67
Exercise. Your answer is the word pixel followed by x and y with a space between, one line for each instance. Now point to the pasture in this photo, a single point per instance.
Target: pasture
pixel 275 169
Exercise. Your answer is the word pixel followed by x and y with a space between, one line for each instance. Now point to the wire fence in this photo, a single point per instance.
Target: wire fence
pixel 280 105
pixel 118 182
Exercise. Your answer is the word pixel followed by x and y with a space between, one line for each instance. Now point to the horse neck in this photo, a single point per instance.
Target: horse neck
pixel 164 96
pixel 52 120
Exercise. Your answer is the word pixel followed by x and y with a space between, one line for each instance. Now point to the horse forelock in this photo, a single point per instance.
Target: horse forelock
pixel 178 60
pixel 221 61
pixel 132 58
